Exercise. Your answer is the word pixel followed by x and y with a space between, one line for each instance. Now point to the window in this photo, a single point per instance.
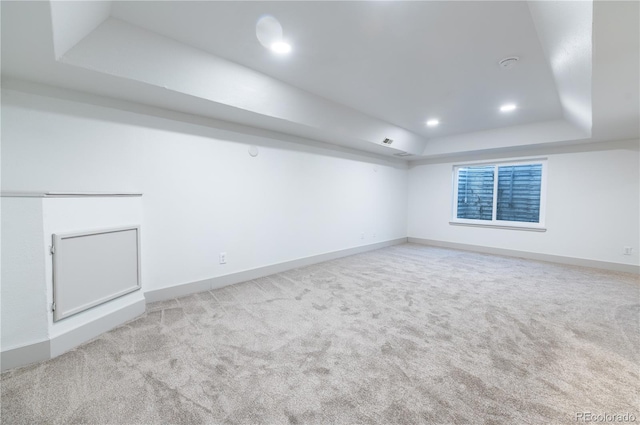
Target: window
pixel 503 195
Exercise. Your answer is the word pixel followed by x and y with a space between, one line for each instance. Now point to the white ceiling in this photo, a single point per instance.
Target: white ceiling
pixel 400 63
pixel 358 72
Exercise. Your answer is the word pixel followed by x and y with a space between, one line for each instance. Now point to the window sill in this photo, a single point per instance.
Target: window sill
pixel 500 226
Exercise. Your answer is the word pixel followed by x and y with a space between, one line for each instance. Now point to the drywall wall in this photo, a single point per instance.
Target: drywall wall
pixel 565 30
pixel 27 285
pixel 592 204
pixel 203 193
pixel 24 301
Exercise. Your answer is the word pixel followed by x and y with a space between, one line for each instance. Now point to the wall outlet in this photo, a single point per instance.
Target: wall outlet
pixel 362 235
pixel 627 250
pixel 223 258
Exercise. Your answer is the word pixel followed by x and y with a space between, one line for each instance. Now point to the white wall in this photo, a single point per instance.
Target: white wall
pixel 203 193
pixel 592 204
pixel 24 302
pixel 27 274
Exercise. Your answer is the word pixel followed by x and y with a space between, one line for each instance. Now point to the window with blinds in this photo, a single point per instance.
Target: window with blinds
pixel 519 193
pixel 499 194
pixel 475 193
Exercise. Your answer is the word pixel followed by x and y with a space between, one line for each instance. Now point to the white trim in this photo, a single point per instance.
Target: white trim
pixel 494 206
pixel 48 349
pixel 573 261
pixel 494 222
pixel 25 355
pixel 87 331
pixel 12 194
pixel 245 275
pixel 508 225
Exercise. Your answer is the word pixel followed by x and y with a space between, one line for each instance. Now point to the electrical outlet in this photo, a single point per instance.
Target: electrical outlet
pixel 627 250
pixel 223 258
pixel 362 235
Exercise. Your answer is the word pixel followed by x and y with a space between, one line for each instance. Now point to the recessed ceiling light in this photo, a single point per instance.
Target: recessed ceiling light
pixel 508 107
pixel 433 123
pixel 281 47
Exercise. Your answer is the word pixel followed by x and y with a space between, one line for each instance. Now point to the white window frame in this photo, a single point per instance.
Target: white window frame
pixel 501 224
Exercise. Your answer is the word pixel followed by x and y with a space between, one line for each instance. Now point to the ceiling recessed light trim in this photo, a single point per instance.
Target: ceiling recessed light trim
pixel 433 122
pixel 508 107
pixel 281 47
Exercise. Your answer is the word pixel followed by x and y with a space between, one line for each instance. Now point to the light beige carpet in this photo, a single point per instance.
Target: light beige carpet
pixel 407 334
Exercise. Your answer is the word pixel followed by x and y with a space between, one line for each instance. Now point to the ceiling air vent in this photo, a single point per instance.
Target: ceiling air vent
pixel 387 141
pixel 403 154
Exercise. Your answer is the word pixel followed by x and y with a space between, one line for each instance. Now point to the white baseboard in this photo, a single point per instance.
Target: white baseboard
pixel 243 276
pixel 45 350
pixel 619 267
pixel 23 356
pixel 73 338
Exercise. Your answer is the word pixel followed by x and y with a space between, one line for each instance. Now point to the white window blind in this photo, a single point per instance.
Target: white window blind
pixel 505 194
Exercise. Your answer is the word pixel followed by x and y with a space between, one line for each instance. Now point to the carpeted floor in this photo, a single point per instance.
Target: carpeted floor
pixel 407 334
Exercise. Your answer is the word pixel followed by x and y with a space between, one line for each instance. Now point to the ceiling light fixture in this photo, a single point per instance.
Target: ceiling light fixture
pixel 433 123
pixel 508 107
pixel 281 47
